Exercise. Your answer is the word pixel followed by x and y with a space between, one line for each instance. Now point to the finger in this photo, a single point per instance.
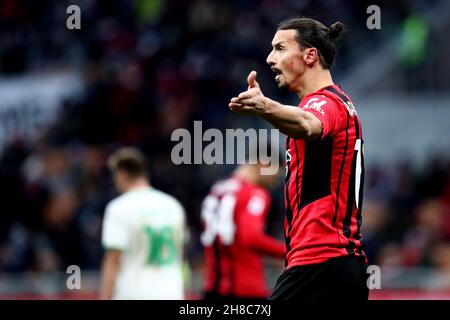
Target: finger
pixel 239 107
pixel 242 110
pixel 246 102
pixel 251 80
pixel 248 94
pixel 235 105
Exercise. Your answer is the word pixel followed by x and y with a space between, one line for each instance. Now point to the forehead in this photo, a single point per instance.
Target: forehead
pixel 286 36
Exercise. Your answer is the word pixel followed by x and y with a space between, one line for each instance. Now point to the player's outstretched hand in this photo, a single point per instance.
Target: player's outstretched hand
pixel 251 101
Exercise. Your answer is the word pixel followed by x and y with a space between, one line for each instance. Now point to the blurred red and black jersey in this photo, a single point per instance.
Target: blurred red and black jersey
pixel 324 183
pixel 234 214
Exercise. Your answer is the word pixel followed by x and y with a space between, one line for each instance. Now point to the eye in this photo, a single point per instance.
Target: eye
pixel 279 48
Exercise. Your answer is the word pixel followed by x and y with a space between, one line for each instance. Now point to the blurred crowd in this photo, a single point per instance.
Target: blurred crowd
pixel 149 67
pixel 407 216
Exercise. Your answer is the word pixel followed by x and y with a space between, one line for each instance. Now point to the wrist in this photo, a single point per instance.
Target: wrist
pixel 270 107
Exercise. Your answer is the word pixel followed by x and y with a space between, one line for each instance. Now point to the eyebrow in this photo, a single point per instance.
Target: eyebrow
pixel 277 44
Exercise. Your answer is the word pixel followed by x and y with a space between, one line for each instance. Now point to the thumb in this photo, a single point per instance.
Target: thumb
pixel 251 80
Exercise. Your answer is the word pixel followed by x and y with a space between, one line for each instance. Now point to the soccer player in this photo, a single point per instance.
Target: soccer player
pixel 234 215
pixel 143 231
pixel 325 168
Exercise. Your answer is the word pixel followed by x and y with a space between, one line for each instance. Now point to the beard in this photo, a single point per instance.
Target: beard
pixel 281 84
pixel 284 85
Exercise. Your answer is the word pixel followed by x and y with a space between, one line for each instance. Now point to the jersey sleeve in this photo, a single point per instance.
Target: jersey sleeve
pixel 114 233
pixel 326 110
pixel 252 222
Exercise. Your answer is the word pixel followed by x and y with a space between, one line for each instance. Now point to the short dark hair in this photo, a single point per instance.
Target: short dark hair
pixel 312 33
pixel 130 160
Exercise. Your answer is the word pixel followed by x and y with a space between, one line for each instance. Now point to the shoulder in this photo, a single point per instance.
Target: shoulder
pixel 167 200
pixel 340 99
pixel 114 212
pixel 325 105
pixel 258 200
pixel 125 201
pixel 257 192
pixel 231 184
pixel 318 101
pixel 115 204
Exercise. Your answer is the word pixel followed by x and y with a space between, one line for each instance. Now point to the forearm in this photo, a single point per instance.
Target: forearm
pixel 266 244
pixel 290 120
pixel 108 279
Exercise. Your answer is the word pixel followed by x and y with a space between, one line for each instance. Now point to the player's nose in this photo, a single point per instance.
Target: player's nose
pixel 270 59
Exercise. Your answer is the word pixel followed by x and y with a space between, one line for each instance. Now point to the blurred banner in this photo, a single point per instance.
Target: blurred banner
pixel 30 103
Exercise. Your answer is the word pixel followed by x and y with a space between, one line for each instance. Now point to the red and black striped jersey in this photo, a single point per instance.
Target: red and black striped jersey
pixel 324 183
pixel 234 215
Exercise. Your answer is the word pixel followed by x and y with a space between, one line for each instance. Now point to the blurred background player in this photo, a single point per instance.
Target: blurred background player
pixel 234 215
pixel 143 233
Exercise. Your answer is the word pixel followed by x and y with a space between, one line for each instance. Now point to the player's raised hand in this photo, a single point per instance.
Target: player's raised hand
pixel 251 101
pixel 251 80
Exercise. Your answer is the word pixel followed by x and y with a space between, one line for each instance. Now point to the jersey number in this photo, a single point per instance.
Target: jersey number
pixel 162 247
pixel 217 215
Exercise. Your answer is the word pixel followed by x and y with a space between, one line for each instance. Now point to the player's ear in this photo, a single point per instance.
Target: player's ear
pixel 310 55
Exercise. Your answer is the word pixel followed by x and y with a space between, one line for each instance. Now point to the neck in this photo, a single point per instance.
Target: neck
pixel 247 173
pixel 136 184
pixel 313 80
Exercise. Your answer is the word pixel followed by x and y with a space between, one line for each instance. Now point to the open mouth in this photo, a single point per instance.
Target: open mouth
pixel 277 72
